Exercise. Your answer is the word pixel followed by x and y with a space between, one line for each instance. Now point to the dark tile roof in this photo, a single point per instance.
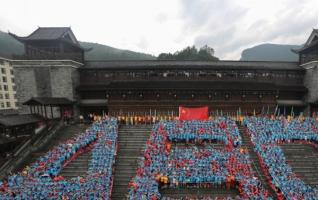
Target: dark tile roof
pixel 17 120
pixel 51 33
pixel 54 101
pixel 48 33
pixel 306 47
pixel 310 43
pixel 166 64
pixel 9 112
pixel 93 102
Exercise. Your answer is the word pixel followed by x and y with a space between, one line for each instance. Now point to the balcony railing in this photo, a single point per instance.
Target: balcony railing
pixel 284 78
pixel 51 56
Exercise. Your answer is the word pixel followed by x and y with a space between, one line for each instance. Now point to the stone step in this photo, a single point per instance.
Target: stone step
pixel 198 192
pixel 124 172
pixel 255 161
pixel 73 167
pixel 134 136
pixel 130 152
pixel 131 140
pixel 135 130
pixel 137 146
pixel 122 141
pixel 303 160
pixel 78 167
pixel 65 133
pixel 140 132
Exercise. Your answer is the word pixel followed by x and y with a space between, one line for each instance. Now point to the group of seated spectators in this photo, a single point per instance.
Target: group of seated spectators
pixel 135 119
pixel 162 166
pixel 41 180
pixel 222 130
pixel 266 135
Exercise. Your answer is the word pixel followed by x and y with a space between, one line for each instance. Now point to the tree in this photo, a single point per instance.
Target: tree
pixel 191 53
pixel 165 56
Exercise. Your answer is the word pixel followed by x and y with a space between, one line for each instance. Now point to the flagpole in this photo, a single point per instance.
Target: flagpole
pixel 276 109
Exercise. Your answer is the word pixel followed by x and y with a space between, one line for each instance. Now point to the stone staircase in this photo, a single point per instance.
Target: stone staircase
pixel 78 167
pixel 255 161
pixel 198 193
pixel 131 143
pixel 62 135
pixel 304 161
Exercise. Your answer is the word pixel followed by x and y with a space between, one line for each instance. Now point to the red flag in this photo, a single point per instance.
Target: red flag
pixel 200 113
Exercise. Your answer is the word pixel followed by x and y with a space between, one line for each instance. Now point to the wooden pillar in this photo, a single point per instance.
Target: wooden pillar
pixel 52 115
pixel 41 108
pixel 38 110
pixel 14 132
pixel 45 112
pixel 61 116
pixel 33 129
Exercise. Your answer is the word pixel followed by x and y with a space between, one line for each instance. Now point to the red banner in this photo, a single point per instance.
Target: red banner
pixel 201 113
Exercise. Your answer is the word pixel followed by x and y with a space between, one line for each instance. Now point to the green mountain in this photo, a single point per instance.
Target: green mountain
pixel 104 52
pixel 270 52
pixel 9 46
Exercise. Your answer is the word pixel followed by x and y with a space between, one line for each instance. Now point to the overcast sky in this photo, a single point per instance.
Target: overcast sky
pixel 155 26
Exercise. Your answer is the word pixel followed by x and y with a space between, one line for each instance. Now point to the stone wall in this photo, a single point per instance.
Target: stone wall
pixel 76 82
pixel 26 86
pixel 42 77
pixel 311 81
pixel 36 78
pixel 61 82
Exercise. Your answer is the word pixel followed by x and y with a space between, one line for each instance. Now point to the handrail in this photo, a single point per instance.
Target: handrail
pixel 26 149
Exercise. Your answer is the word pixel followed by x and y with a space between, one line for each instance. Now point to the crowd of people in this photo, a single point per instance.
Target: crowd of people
pixel 163 166
pixel 135 119
pixel 132 119
pixel 221 129
pixel 41 180
pixel 266 135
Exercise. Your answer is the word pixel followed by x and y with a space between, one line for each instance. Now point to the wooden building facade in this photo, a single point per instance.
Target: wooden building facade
pixel 140 86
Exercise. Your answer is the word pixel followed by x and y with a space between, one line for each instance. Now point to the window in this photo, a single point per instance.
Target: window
pixel 5 87
pixel 8 105
pixel 7 96
pixel 11 71
pixel 4 79
pixel 1 96
pixel 2 105
pixel 0 87
pixel 12 80
pixel 3 70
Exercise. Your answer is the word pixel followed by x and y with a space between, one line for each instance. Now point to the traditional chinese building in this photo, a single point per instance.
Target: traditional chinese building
pixel 55 43
pixel 161 86
pixel 138 86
